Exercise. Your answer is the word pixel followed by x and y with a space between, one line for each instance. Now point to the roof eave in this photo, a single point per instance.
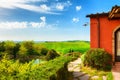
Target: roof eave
pixel 98 14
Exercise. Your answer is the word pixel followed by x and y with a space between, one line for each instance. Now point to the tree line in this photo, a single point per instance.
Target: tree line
pixel 24 51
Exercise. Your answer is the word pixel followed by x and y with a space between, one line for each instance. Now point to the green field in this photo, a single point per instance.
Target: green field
pixel 66 46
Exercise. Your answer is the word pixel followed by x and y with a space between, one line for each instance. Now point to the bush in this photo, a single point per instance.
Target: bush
pixel 74 54
pixel 44 51
pixel 51 54
pixel 83 57
pixel 110 76
pixel 52 70
pixel 98 58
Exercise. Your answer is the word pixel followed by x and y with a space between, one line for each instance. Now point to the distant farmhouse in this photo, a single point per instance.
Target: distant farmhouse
pixel 105 31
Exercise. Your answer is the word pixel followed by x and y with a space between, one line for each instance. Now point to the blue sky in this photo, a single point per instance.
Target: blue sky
pixel 49 20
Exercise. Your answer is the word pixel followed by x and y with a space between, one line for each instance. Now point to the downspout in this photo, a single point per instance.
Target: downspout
pixel 98 29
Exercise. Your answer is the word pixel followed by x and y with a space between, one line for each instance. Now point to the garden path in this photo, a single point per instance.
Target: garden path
pixel 74 67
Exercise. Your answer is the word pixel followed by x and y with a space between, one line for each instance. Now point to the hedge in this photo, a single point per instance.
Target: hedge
pixel 55 69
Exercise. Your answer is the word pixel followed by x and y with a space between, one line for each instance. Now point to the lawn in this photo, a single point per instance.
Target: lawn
pixel 67 46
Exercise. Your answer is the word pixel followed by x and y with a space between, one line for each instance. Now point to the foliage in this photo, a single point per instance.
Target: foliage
pixel 98 58
pixel 51 70
pixel 28 50
pixel 74 54
pixel 2 48
pixel 51 54
pixel 29 46
pixel 110 76
pixel 100 73
pixel 44 51
pixel 83 57
pixel 9 47
pixel 16 49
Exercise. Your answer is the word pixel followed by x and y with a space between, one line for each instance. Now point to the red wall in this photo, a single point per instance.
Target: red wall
pixel 106 32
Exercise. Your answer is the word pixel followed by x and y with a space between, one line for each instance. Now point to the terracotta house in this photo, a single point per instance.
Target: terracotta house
pixel 105 31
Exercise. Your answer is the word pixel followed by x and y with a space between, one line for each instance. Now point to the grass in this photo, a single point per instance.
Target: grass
pixel 99 73
pixel 110 76
pixel 65 46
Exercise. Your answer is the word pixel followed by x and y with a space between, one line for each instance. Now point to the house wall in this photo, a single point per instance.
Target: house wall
pixel 107 28
pixel 93 33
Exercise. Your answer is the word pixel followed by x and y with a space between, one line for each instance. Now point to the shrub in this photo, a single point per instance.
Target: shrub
pixel 83 57
pixel 52 70
pixel 44 51
pixel 110 76
pixel 51 54
pixel 71 50
pixel 98 58
pixel 74 54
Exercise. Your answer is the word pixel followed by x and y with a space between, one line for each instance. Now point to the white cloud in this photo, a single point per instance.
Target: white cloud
pixel 44 7
pixel 11 4
pixel 21 25
pixel 21 1
pixel 43 24
pixel 30 6
pixel 75 20
pixel 39 24
pixel 68 3
pixel 59 6
pixel 43 18
pixel 62 5
pixel 24 4
pixel 35 0
pixel 78 8
pixel 13 25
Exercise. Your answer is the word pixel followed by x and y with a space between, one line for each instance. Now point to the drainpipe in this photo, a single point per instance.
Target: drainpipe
pixel 98 29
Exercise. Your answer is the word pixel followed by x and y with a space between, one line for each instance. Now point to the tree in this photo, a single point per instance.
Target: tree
pixel 51 54
pixel 9 47
pixel 16 49
pixel 29 46
pixel 2 48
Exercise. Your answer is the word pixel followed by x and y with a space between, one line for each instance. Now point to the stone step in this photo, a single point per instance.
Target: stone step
pixel 75 79
pixel 85 77
pixel 117 63
pixel 78 74
pixel 116 75
pixel 116 67
pixel 77 69
pixel 74 67
pixel 116 70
